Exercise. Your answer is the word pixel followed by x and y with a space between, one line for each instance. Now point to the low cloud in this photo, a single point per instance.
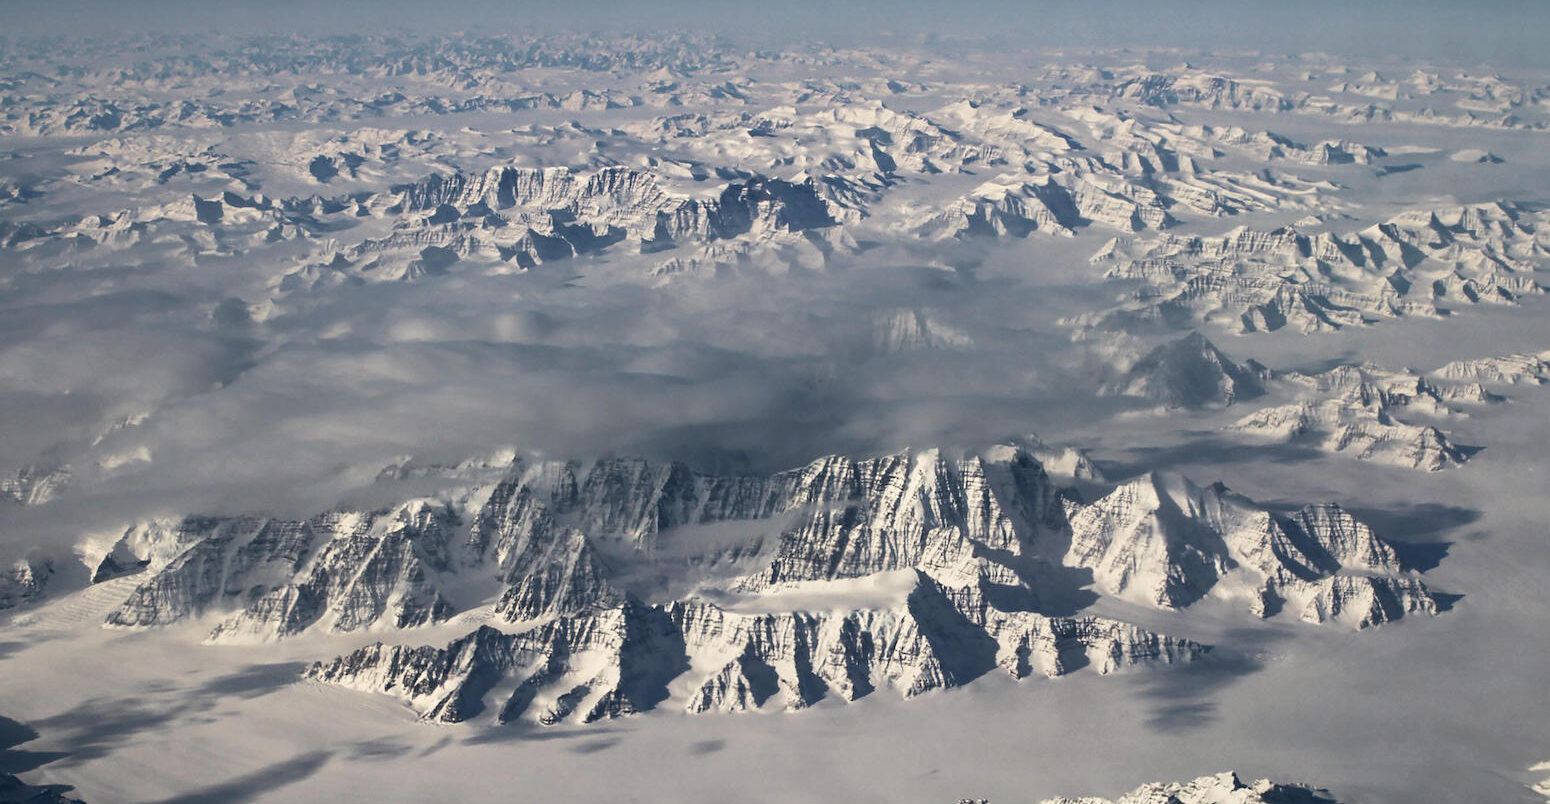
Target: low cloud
pixel 297 413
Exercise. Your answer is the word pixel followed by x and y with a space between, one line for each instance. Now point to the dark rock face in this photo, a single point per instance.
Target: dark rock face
pixel 555 213
pixel 13 789
pixel 1163 541
pixel 1223 788
pixel 344 570
pixel 965 566
pixel 961 534
pixel 1191 373
pixel 737 662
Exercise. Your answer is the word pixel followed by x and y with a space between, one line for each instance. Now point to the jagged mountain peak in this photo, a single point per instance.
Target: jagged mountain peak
pixel 701 657
pixel 1164 541
pixel 1365 410
pixel 1179 488
pixel 555 539
pixel 1190 372
pixel 1222 788
pixel 1060 461
pixel 539 540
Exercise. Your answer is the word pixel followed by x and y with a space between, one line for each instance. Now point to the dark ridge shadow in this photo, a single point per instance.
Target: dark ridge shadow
pixel 14 789
pixel 14 733
pixel 1183 698
pixel 16 761
pixel 1420 556
pixel 377 750
pixel 1446 601
pixel 648 669
pixel 1416 521
pixel 1320 366
pixel 964 651
pixel 1412 531
pixel 1299 795
pixel 254 680
pixel 595 746
pixel 97 726
pixel 704 747
pixel 1211 449
pixel 1084 490
pixel 1182 593
pixel 521 731
pixel 1054 590
pixel 1182 717
pixel 431 749
pixel 9 648
pixel 252 785
pixel 762 678
pixel 1065 591
pixel 158 686
pixel 1389 170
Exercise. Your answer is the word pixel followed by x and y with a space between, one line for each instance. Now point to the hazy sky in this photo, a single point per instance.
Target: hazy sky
pixel 1502 32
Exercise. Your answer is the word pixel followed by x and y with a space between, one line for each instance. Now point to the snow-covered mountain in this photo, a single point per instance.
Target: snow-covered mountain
pixel 966 552
pixel 1353 410
pixel 536 536
pixel 992 532
pixel 1163 541
pixel 26 581
pixel 1190 373
pixel 1223 788
pixel 1506 370
pixel 35 485
pixel 697 656
pixel 1421 263
pixel 1356 409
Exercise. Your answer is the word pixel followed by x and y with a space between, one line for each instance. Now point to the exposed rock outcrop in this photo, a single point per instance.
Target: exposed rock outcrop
pixel 1355 410
pixel 1190 373
pixel 1163 541
pixel 623 660
pixel 1223 788
pixel 1420 263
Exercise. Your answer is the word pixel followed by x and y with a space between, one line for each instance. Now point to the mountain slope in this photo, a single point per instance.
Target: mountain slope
pixel 1223 788
pixel 1163 541
pixel 1190 373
